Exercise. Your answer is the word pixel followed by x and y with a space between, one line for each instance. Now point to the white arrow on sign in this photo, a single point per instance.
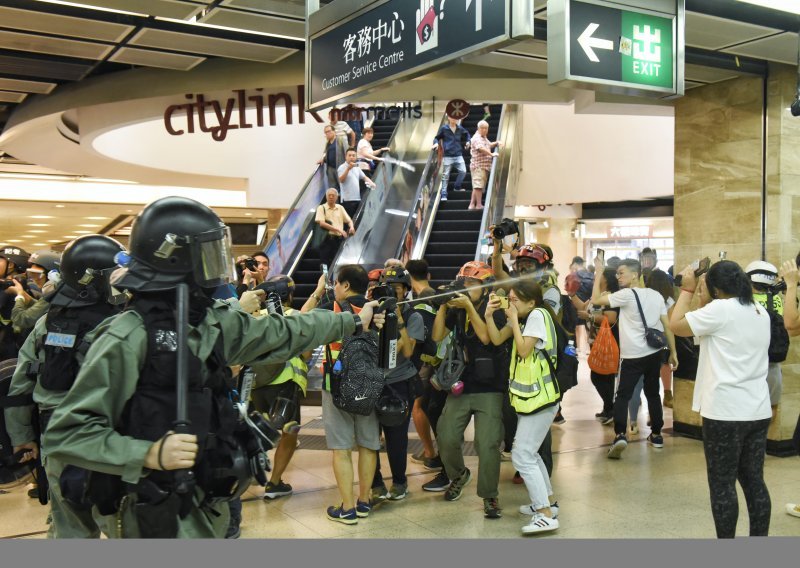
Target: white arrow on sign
pixel 587 42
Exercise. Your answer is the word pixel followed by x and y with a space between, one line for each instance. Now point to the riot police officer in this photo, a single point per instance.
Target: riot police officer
pixel 13 262
pixel 119 418
pixel 48 364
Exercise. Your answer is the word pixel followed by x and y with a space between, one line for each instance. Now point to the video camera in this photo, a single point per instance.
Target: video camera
pixel 382 291
pixel 446 292
pixel 5 284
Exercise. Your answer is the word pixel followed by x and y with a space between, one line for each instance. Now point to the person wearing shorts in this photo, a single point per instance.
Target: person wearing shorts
pixel 480 163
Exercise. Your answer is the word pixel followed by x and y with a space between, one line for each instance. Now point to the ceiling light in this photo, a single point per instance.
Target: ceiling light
pixel 38 225
pixel 790 6
pixel 90 226
pixel 40 244
pixel 90 7
pixel 70 237
pixel 37 231
pixel 55 240
pixel 97 218
pixel 84 232
pixel 42 217
pixel 60 206
pixel 28 236
pixel 248 214
pixel 14 241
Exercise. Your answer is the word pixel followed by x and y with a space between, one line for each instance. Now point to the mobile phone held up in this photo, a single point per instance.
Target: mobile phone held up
pixel 601 254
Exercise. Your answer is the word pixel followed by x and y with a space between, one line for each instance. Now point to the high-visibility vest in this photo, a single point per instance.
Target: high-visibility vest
pixel 336 347
pixel 532 386
pixel 295 369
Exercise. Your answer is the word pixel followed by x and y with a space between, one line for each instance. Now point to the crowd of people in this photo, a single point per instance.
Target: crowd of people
pixel 101 348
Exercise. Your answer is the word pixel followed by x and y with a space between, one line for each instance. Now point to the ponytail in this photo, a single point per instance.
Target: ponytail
pixel 728 277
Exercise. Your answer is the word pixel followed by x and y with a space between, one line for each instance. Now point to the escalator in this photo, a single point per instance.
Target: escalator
pixel 456 229
pixel 307 272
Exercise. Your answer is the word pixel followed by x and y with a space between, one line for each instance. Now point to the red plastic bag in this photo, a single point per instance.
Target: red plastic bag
pixel 604 356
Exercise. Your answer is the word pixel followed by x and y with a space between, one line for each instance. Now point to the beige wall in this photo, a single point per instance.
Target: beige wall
pixel 718 194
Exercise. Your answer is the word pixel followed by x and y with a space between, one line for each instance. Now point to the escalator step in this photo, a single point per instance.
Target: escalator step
pixel 457 225
pixel 459 214
pixel 456 258
pixel 448 247
pixel 453 236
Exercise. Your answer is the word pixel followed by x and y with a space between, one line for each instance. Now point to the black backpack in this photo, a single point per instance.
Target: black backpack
pixel 356 379
pixel 569 315
pixel 779 337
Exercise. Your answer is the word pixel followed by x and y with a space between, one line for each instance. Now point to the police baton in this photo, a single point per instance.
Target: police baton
pixel 184 478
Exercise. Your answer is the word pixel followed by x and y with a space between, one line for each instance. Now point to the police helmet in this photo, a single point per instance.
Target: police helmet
pixel 47 259
pixel 761 272
pixel 396 275
pixel 86 266
pixel 14 255
pixel 391 409
pixel 175 240
pixel 281 285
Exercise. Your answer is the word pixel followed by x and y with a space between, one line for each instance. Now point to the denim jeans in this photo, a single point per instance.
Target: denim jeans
pixel 461 169
pixel 531 432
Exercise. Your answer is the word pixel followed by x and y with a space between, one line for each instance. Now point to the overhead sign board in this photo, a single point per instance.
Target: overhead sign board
pixel 614 47
pixel 397 39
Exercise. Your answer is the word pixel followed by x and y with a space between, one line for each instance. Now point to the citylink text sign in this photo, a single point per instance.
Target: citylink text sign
pixel 605 46
pixel 399 39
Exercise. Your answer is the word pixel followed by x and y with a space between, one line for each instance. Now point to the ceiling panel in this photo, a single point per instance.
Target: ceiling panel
pixel 295 29
pixel 147 58
pixel 11 97
pixel 535 47
pixel 14 18
pixel 711 32
pixel 708 74
pixel 191 43
pixel 782 48
pixel 296 8
pixel 165 8
pixel 53 46
pixel 691 85
pixel 26 86
pixel 34 67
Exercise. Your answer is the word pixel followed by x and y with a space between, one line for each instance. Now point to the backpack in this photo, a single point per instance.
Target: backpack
pixel 587 283
pixel 356 379
pixel 779 337
pixel 569 315
pixel 566 369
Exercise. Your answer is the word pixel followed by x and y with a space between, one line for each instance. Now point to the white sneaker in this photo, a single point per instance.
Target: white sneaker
pixel 793 509
pixel 531 512
pixel 540 523
pixel 634 429
pixel 505 456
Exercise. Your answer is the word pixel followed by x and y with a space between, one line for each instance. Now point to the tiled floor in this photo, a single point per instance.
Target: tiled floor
pixel 647 494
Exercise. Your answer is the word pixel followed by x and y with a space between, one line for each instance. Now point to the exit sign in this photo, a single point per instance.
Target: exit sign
pixel 614 47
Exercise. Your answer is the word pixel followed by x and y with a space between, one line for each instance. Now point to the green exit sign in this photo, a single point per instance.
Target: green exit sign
pixel 631 49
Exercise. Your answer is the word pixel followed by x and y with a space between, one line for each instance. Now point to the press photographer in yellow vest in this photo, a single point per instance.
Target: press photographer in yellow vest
pixel 533 391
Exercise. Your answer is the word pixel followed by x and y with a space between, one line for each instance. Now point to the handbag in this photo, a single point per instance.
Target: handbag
pixel 319 235
pixel 604 356
pixel 654 337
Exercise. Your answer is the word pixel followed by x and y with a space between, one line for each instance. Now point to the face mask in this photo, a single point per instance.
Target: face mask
pixel 509 240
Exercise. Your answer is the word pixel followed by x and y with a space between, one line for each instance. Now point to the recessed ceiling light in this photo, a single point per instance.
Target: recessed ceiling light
pixel 14 241
pixel 55 240
pixel 28 236
pixel 38 225
pixel 40 244
pixel 97 218
pixel 90 226
pixel 70 237
pixel 60 206
pixel 42 217
pixel 249 214
pixel 37 231
pixel 84 232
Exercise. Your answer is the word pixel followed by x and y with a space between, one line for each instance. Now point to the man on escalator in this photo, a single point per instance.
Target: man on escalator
pixel 332 217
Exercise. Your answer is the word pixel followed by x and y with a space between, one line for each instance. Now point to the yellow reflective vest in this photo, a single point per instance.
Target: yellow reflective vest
pixel 532 386
pixel 295 369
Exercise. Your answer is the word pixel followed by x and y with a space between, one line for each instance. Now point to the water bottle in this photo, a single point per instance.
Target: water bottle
pixel 570 348
pixel 457 388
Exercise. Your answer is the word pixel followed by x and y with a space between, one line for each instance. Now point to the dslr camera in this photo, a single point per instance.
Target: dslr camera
pixel 504 228
pixel 446 292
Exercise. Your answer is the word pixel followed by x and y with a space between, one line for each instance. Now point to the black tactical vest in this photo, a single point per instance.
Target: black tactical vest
pixel 66 329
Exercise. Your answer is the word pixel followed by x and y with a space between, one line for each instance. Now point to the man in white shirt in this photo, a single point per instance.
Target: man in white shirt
pixel 638 357
pixel 349 176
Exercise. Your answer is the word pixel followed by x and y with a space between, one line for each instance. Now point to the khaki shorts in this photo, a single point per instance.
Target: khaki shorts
pixel 344 431
pixel 479 178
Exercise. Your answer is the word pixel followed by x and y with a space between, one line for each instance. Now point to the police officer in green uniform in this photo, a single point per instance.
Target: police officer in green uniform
pixel 48 364
pixel 118 419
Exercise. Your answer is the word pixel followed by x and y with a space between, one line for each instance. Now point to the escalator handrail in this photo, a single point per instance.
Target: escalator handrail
pixel 490 216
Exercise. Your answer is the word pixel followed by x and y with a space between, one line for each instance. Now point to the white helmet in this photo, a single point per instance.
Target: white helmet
pixel 761 272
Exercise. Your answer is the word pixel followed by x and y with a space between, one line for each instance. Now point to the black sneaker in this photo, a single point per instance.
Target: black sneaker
pixel 433 463
pixel 275 490
pixel 559 419
pixel 491 508
pixel 439 483
pixel 619 445
pixel 655 440
pixel 453 493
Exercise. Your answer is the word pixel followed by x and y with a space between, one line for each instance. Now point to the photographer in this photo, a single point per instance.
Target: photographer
pixel 730 391
pixel 485 382
pixel 30 307
pixel 399 383
pixel 767 292
pixel 13 262
pixel 251 271
pixel 118 418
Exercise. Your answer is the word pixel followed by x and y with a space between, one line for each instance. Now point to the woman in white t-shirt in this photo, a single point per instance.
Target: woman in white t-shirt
pixel 525 296
pixel 367 156
pixel 730 392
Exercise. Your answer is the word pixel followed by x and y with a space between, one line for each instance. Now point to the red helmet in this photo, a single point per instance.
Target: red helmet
pixel 536 253
pixel 375 275
pixel 477 270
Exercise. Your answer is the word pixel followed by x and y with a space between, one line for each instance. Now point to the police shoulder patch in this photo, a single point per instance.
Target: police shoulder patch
pixel 122 325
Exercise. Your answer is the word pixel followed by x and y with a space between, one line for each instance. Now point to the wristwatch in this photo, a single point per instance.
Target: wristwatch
pixel 359 324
